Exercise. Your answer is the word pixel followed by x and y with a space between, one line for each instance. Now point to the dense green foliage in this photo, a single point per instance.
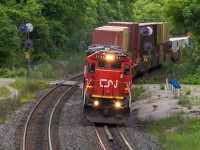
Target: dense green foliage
pixel 148 11
pixel 62 28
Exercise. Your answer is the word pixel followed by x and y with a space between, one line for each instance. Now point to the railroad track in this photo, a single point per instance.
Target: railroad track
pixel 41 127
pixel 111 138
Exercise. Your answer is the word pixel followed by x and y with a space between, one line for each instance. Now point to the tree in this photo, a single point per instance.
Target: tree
pixel 8 38
pixel 147 11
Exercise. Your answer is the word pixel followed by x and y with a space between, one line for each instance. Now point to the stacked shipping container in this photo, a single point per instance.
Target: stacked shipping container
pixel 127 35
pixel 133 32
pixel 111 36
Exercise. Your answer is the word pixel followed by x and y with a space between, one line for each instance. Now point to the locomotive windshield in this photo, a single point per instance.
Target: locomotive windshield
pixel 115 65
pixel 102 64
pixel 111 65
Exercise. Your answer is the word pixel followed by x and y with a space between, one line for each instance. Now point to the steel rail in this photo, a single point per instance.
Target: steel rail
pixel 37 104
pixel 125 141
pixel 100 141
pixel 52 113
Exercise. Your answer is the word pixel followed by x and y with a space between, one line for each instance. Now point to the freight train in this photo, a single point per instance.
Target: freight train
pixel 119 51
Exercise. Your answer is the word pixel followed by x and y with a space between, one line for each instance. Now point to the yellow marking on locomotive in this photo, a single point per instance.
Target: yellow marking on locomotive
pixel 89 87
pixel 126 90
pixel 100 96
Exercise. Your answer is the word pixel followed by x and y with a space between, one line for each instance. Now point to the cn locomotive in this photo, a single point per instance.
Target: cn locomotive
pixel 107 85
pixel 119 51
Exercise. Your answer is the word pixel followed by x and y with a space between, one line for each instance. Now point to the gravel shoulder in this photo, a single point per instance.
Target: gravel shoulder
pixel 165 102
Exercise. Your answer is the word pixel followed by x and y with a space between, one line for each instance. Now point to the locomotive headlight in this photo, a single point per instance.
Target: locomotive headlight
pixel 109 57
pixel 118 104
pixel 96 103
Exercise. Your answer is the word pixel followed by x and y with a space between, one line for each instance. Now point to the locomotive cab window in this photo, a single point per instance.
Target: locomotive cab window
pixel 91 67
pixel 126 69
pixel 102 64
pixel 115 65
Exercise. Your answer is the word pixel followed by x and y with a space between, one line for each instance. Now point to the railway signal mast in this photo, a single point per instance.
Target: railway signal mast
pixel 26 29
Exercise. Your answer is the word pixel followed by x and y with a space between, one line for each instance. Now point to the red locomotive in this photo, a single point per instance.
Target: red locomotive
pixel 107 85
pixel 136 47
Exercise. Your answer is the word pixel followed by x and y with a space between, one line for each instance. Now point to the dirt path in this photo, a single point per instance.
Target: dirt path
pixel 4 82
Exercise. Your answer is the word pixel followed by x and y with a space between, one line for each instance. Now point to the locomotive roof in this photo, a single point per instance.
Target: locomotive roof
pixel 106 48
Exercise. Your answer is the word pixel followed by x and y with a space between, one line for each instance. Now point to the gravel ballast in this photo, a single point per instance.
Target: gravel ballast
pixel 76 132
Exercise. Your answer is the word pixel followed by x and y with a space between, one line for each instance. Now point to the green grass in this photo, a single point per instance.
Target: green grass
pixel 19 83
pixel 27 96
pixel 136 92
pixel 27 92
pixel 162 87
pixel 176 134
pixel 3 120
pixel 7 106
pixel 28 88
pixel 184 101
pixel 4 92
pixel 191 79
pixel 195 101
pixel 188 101
pixel 188 92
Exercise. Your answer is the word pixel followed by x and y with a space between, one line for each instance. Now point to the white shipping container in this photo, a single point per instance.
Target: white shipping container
pixel 177 43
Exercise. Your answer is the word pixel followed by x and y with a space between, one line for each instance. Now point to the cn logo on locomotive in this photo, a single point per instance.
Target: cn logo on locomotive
pixel 103 81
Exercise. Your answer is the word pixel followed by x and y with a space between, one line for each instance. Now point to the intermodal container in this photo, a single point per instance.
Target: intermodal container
pixel 126 34
pixel 162 33
pixel 111 36
pixel 166 48
pixel 133 32
pixel 160 51
pixel 156 50
pixel 133 55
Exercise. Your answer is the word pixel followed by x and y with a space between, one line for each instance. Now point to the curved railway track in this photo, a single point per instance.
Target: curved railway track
pixel 111 138
pixel 40 127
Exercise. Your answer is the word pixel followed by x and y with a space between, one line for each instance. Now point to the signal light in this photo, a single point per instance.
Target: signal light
pixel 28 43
pixel 146 31
pixel 148 46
